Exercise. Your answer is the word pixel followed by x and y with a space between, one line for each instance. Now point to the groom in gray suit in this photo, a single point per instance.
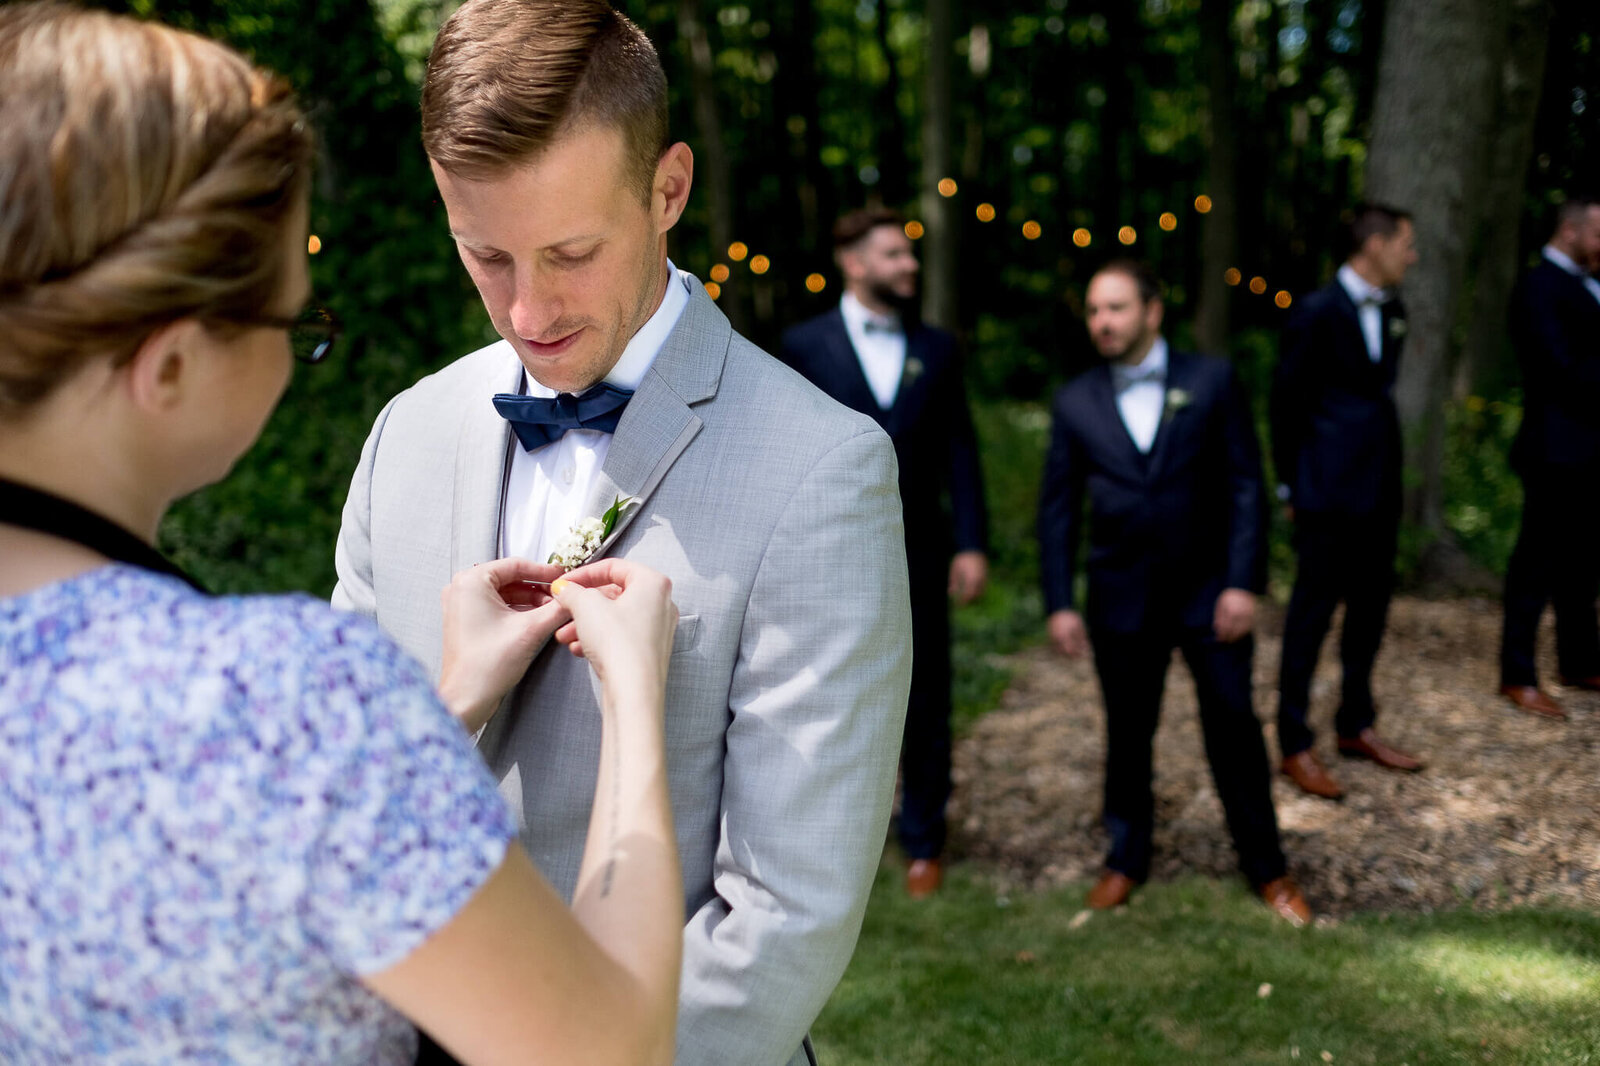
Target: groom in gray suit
pixel 772 508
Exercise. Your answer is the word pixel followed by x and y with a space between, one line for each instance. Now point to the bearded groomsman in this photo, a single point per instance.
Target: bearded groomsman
pixel 1161 445
pixel 1555 323
pixel 871 354
pixel 1336 444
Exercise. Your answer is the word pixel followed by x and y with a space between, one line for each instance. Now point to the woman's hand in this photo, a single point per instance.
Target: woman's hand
pixel 494 623
pixel 623 621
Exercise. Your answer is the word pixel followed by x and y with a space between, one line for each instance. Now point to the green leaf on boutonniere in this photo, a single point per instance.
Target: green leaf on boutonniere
pixel 608 521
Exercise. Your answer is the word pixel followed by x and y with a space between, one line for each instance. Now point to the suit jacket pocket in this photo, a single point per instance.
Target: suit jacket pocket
pixel 687 633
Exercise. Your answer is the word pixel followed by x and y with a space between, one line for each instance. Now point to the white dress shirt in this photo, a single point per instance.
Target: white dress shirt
pixel 549 486
pixel 1369 300
pixel 1142 394
pixel 1565 262
pixel 880 344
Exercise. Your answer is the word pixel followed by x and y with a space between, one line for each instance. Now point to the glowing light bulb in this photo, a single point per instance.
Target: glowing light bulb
pixel 760 264
pixel 1081 237
pixel 1202 203
pixel 1168 221
pixel 1258 284
pixel 914 230
pixel 816 283
pixel 947 187
pixel 713 290
pixel 314 244
pixel 719 273
pixel 985 212
pixel 737 251
pixel 1031 230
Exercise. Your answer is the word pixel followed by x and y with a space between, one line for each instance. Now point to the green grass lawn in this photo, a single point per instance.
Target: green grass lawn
pixel 1199 972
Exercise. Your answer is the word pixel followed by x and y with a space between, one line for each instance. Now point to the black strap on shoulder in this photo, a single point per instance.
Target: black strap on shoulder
pixel 31 508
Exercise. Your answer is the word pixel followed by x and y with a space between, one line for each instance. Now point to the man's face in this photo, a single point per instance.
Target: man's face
pixel 1393 255
pixel 1120 323
pixel 569 260
pixel 1586 239
pixel 883 265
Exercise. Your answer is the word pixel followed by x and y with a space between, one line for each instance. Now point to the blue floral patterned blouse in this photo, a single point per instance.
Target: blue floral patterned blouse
pixel 214 813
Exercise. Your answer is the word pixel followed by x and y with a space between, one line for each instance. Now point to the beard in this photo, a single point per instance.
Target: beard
pixel 883 292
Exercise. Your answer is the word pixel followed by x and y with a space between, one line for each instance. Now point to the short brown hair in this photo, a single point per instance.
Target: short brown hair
pixel 507 78
pixel 857 224
pixel 1141 273
pixel 146 175
pixel 1368 220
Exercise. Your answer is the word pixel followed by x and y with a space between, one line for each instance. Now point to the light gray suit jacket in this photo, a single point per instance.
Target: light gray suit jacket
pixel 775 512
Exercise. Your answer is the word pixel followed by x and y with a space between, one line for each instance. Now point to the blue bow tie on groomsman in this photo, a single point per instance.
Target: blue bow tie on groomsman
pixel 538 420
pixel 1128 376
pixel 889 327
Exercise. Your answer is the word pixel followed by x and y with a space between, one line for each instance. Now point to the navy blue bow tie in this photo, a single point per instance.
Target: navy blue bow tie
pixel 537 420
pixel 1129 376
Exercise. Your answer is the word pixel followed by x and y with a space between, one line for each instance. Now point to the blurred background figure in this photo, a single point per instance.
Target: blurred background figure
pixel 872 354
pixel 1336 445
pixel 1161 446
pixel 244 829
pixel 1555 327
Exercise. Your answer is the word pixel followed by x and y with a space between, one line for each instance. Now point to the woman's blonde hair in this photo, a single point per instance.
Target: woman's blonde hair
pixel 146 175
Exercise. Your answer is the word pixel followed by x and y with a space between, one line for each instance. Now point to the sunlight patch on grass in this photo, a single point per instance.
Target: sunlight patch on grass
pixel 1528 973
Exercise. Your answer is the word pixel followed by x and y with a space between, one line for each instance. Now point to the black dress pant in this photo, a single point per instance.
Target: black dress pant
pixel 1133 670
pixel 925 752
pixel 1557 561
pixel 1341 557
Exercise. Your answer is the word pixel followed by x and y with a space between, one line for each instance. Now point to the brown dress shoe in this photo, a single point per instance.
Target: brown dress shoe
pixel 1368 745
pixel 923 877
pixel 1307 771
pixel 1112 890
pixel 1286 901
pixel 1530 699
pixel 1588 684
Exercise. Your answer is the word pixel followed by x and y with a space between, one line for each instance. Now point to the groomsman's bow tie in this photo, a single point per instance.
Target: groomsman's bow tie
pixel 1373 299
pixel 887 326
pixel 537 420
pixel 1128 376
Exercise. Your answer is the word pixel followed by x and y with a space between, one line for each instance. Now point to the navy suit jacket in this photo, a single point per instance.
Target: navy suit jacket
pixel 1555 325
pixel 1168 531
pixel 931 427
pixel 1335 430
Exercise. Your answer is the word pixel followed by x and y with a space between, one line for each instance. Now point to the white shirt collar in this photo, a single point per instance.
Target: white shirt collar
pixel 1154 361
pixel 1358 287
pixel 1563 260
pixel 641 351
pixel 856 315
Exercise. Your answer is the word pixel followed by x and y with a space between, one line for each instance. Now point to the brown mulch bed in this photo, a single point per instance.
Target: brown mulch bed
pixel 1506 812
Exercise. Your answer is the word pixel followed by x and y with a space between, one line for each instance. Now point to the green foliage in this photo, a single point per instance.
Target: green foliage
pixel 974 975
pixel 387 270
pixel 1483 497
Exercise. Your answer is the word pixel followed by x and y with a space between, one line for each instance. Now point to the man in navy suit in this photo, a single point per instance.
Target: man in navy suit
pixel 1336 444
pixel 1555 323
pixel 1161 444
pixel 870 353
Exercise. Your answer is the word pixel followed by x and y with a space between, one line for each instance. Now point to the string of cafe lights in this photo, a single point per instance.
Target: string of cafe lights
pixel 1082 237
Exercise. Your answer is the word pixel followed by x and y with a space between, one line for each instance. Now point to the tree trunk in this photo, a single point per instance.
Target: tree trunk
pixel 894 171
pixel 1495 261
pixel 712 165
pixel 938 212
pixel 1433 112
pixel 1219 233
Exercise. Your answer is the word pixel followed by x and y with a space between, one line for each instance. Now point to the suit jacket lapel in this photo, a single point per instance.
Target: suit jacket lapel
pixel 659 423
pixel 845 369
pixel 483 460
pixel 912 393
pixel 1177 381
pixel 1105 397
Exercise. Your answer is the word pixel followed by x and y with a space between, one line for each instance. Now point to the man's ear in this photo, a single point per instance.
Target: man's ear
pixel 1153 313
pixel 669 194
pixel 163 366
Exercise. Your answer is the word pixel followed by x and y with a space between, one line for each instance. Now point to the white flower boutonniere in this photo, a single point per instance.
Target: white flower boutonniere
pixel 1177 400
pixel 1397 328
pixel 913 369
pixel 578 544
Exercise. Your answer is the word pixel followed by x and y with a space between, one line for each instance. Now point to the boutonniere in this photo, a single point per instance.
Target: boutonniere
pixel 578 544
pixel 1177 400
pixel 913 369
pixel 1397 328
